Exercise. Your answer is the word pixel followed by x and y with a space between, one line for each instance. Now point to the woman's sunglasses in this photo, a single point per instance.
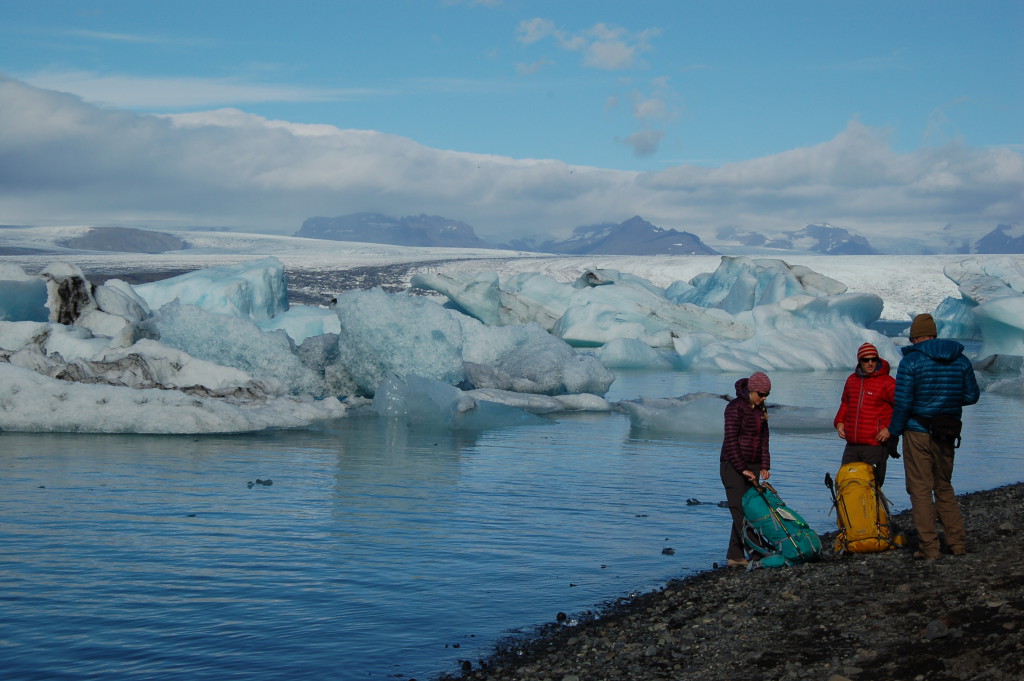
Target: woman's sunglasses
pixel 763 394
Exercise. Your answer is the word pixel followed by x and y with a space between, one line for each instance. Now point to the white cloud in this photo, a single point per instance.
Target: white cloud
pixel 524 69
pixel 604 46
pixel 64 161
pixel 170 93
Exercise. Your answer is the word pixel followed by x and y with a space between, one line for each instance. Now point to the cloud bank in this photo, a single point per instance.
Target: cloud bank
pixel 64 161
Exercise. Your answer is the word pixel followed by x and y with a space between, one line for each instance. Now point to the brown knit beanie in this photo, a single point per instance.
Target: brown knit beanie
pixel 923 325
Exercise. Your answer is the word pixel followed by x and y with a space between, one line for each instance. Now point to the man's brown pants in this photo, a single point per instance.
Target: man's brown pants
pixel 928 466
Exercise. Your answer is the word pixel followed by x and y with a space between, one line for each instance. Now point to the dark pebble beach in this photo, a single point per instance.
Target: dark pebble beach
pixel 856 616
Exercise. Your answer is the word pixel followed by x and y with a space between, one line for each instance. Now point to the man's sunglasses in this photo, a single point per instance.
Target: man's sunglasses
pixel 865 360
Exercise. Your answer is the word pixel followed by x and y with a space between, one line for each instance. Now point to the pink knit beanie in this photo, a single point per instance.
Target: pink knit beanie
pixel 759 383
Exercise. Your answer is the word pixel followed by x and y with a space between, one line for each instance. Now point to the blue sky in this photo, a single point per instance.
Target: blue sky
pixel 647 86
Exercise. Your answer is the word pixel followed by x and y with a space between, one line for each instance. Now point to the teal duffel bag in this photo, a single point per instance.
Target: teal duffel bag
pixel 776 532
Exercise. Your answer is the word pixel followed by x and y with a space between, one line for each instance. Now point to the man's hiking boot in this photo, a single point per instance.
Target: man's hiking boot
pixel 737 563
pixel 959 550
pixel 921 555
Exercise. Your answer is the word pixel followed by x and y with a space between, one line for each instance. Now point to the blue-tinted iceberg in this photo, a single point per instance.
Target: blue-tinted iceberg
pixel 992 293
pixel 220 350
pixel 748 314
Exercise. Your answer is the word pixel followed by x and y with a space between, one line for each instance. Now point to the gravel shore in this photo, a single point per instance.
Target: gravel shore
pixel 857 617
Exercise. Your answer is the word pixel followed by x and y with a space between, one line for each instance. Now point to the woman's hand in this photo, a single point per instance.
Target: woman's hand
pixel 765 474
pixel 749 475
pixel 841 429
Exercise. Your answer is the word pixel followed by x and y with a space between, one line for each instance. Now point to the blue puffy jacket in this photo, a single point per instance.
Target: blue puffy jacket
pixel 934 377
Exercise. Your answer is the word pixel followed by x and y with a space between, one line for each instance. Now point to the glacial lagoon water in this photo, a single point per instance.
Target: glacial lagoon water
pixel 360 550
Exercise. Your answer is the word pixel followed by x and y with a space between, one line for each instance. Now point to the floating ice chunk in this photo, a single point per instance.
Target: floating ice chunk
pixel 255 290
pixel 742 283
pixel 600 306
pixel 476 295
pixel 235 342
pixel 68 293
pixel 1001 374
pixel 702 415
pixel 955 319
pixel 160 366
pixel 699 415
pixel 31 402
pixel 384 335
pixel 628 353
pixel 542 404
pixel 525 358
pixel 994 290
pixel 803 333
pixel 424 403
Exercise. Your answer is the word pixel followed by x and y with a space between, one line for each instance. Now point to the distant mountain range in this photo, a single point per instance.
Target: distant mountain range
pixel 419 230
pixel 823 238
pixel 635 236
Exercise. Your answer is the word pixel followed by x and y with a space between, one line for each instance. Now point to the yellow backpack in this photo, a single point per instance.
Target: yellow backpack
pixel 862 511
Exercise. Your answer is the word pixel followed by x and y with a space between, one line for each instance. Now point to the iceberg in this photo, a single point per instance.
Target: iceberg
pixel 600 306
pixel 226 336
pixel 742 283
pixel 32 402
pixel 222 350
pixel 750 314
pixel 256 290
pixel 699 416
pixel 992 292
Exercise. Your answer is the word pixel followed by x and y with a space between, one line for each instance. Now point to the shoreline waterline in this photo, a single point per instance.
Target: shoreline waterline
pixel 882 615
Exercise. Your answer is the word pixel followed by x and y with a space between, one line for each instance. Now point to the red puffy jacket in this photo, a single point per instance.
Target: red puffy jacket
pixel 867 403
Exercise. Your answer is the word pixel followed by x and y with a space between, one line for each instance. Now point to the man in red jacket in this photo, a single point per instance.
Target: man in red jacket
pixel 865 411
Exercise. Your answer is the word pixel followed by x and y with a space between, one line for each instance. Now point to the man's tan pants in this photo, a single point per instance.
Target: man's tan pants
pixel 928 465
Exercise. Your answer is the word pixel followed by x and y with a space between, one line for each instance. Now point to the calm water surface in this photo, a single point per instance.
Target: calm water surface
pixel 377 552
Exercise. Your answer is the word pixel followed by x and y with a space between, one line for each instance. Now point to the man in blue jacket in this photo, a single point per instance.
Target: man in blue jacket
pixel 934 378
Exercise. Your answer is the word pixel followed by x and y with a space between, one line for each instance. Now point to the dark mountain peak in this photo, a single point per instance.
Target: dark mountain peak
pixel 634 236
pixel 125 240
pixel 1002 239
pixel 416 230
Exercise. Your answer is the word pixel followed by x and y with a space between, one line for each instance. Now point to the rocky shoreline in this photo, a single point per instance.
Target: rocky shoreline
pixel 856 617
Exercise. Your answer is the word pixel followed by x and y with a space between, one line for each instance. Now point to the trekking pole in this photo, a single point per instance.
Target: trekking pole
pixel 832 490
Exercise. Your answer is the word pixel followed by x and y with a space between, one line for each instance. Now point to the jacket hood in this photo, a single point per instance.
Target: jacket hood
pixel 882 370
pixel 742 389
pixel 941 350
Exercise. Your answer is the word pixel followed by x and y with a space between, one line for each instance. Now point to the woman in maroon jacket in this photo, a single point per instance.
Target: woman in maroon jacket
pixel 745 457
pixel 865 411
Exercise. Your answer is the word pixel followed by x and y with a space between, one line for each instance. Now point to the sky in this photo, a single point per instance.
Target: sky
pixel 517 116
